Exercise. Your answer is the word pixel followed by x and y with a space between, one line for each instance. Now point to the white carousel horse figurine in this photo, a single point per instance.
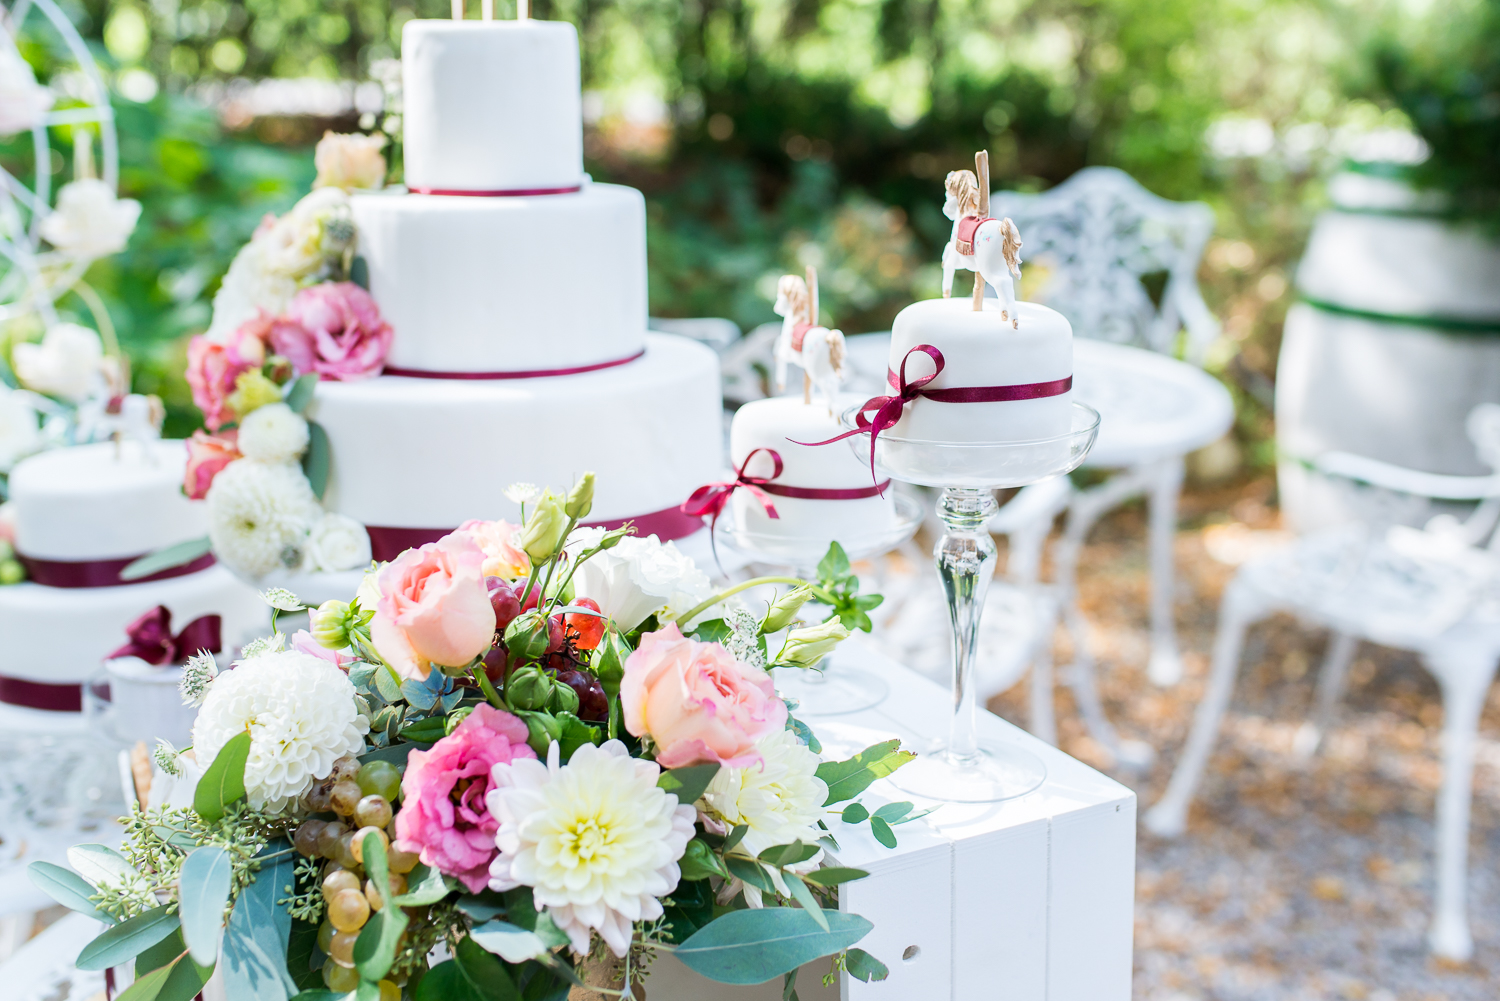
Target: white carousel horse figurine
pixel 113 413
pixel 818 351
pixel 990 247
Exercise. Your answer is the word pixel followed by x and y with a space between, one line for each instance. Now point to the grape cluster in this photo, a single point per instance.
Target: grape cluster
pixel 363 797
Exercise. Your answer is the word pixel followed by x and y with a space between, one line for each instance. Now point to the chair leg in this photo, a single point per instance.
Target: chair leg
pixel 1165 666
pixel 1082 679
pixel 1331 678
pixel 1465 675
pixel 1043 704
pixel 1168 818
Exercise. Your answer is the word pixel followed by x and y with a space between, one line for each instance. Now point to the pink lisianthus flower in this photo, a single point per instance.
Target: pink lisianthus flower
pixel 434 607
pixel 207 454
pixel 696 702
pixel 497 540
pixel 334 329
pixel 443 814
pixel 211 373
pixel 303 642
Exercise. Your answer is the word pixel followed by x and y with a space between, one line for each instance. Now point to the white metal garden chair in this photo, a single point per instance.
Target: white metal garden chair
pixel 1099 238
pixel 1435 591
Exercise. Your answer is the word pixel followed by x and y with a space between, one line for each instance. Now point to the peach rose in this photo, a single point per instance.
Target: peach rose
pixel 697 702
pixel 207 454
pixel 497 540
pixel 433 608
pixel 349 161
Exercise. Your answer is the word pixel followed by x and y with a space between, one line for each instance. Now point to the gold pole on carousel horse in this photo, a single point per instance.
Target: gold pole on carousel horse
pixel 814 320
pixel 982 174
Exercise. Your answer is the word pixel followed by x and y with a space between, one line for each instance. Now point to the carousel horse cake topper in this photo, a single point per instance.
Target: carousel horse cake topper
pixel 991 248
pixel 815 349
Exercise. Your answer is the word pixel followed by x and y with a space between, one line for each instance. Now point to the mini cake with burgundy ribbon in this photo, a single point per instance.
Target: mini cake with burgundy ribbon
pixel 81 515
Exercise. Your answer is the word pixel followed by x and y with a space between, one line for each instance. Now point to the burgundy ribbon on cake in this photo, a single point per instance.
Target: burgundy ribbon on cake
pixel 425 373
pixel 710 498
pixel 498 193
pixel 100 573
pixel 152 639
pixel 41 695
pixel 386 543
pixel 888 409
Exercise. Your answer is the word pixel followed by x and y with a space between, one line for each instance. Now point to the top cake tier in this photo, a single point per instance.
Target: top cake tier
pixel 101 502
pixel 491 107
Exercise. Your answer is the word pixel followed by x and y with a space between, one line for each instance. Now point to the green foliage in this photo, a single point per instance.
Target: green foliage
pixel 753 946
pixel 128 939
pixel 223 781
pixel 203 893
pixel 688 783
pixel 847 779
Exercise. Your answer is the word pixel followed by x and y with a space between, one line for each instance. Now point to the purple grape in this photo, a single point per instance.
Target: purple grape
pixel 593 706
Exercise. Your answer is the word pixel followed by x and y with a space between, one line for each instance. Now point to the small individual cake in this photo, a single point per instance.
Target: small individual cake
pixel 80 516
pixel 998 382
pixel 850 508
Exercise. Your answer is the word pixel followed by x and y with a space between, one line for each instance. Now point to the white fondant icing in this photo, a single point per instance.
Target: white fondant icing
pixel 61 635
pixel 491 105
pixel 778 424
pixel 433 453
pixel 103 501
pixel 981 349
pixel 507 284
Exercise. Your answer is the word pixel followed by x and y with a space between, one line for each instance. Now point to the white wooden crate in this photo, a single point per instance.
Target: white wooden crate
pixel 1027 900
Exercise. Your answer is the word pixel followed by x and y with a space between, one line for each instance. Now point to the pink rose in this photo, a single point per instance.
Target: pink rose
pixel 443 815
pixel 334 329
pixel 207 454
pixel 303 642
pixel 247 344
pixel 697 702
pixel 433 608
pixel 211 373
pixel 497 540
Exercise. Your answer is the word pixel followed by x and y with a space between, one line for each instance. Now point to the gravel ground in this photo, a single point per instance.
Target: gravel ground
pixel 1295 880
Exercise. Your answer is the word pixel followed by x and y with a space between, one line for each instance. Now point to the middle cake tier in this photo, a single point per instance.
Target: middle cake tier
pixel 539 283
pixel 413 458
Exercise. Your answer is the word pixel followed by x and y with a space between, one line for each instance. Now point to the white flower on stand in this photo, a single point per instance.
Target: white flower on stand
pixel 20 431
pixel 637 578
pixel 780 800
pixel 302 717
pixel 24 103
pixel 597 841
pixel 259 515
pixel 338 542
pixel 273 433
pixel 89 220
pixel 68 363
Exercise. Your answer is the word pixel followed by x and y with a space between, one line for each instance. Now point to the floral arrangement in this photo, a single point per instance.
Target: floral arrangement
pixel 287 315
pixel 519 763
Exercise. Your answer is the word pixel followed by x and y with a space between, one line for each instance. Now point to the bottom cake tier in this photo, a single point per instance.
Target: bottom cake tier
pixel 413 458
pixel 56 638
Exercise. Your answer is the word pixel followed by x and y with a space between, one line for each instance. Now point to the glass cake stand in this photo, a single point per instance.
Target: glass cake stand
pixel 826 690
pixel 964 768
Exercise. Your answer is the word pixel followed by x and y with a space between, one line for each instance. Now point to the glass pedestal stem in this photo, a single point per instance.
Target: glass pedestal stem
pixel 965 557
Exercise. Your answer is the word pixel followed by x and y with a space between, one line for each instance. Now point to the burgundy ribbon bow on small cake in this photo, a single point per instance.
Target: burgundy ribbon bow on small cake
pixel 711 498
pixel 151 637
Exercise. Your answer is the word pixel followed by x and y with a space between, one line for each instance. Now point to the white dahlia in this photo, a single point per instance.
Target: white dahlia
pixel 302 717
pixel 637 578
pixel 259 514
pixel 596 840
pixel 273 433
pixel 250 285
pixel 780 800
pixel 338 542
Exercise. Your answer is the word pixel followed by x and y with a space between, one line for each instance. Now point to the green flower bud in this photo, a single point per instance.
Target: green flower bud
pixel 608 661
pixel 581 497
pixel 806 647
pixel 541 730
pixel 330 624
pixel 543 531
pixel 11 572
pixel 564 698
pixel 785 608
pixel 528 688
pixel 698 861
pixel 7 551
pixel 527 637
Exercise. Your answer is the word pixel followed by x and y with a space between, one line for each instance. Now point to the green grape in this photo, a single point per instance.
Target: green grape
pixel 345 768
pixel 357 846
pixel 398 886
pixel 346 796
pixel 340 979
pixel 389 991
pixel 348 910
pixel 306 838
pixel 341 947
pixel 326 932
pixel 338 881
pixel 373 811
pixel 401 862
pixel 380 778
pixel 328 838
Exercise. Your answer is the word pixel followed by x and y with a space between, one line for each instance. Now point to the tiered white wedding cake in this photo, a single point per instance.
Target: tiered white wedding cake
pixel 81 515
pixel 516 288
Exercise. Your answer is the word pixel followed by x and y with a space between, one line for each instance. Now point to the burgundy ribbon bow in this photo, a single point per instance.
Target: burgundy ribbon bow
pixel 151 637
pixel 711 498
pixel 888 409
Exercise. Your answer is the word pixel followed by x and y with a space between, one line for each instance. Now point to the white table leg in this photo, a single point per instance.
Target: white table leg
pixel 1165 666
pixel 1331 678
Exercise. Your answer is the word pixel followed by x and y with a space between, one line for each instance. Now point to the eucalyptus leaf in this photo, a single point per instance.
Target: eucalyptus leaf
pixel 101 866
pixel 301 393
pixel 395 754
pixel 805 897
pixel 127 940
pixel 203 895
pixel 318 459
pixel 804 734
pixel 426 886
pixel 688 783
pixel 783 855
pixel 882 831
pixel 180 554
pixel 147 988
pixel 185 980
pixel 834 875
pixel 223 782
pixel 865 967
pixel 375 949
pixel 388 687
pixel 754 946
pixel 847 779
pixel 895 813
pixel 256 940
pixel 67 888
pixel 750 872
pixel 735 836
pixel 510 943
pixel 855 813
pixel 471 975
